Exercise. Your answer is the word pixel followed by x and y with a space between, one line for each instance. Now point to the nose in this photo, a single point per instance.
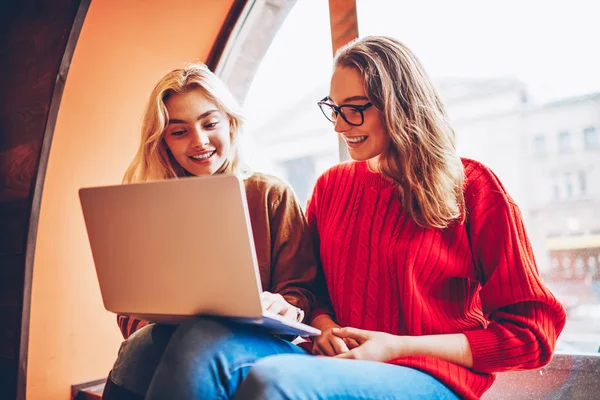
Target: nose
pixel 200 138
pixel 340 125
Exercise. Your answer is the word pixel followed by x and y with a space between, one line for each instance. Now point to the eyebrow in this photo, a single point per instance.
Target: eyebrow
pixel 203 115
pixel 352 98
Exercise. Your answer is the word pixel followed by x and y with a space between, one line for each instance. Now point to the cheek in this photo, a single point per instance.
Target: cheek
pixel 223 139
pixel 383 133
pixel 378 131
pixel 177 148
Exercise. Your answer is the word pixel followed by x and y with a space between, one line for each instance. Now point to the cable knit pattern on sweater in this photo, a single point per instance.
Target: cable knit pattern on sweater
pixel 386 273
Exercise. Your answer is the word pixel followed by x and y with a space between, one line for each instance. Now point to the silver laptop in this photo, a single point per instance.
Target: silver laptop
pixel 168 250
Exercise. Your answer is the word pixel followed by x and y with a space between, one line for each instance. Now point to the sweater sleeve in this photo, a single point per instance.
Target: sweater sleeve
pixel 322 302
pixel 293 261
pixel 129 325
pixel 524 317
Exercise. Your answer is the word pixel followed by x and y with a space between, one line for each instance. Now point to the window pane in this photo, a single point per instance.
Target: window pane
pixel 512 99
pixel 287 134
pixel 540 146
pixel 590 138
pixel 582 182
pixel 564 142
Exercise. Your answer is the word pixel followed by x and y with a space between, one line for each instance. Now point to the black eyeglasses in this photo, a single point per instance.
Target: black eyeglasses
pixel 353 115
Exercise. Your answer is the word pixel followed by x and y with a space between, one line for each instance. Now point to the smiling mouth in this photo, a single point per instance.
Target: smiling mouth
pixel 356 139
pixel 203 156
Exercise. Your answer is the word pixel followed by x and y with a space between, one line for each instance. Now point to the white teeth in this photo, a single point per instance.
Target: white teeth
pixel 357 139
pixel 202 156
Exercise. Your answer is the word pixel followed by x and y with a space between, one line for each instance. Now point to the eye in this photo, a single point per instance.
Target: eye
pixel 333 111
pixel 211 125
pixel 353 110
pixel 178 133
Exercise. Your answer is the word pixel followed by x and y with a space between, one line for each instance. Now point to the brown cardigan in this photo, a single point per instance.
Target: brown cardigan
pixel 283 244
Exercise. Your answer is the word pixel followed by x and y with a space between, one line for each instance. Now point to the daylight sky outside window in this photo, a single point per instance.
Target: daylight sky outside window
pixel 298 60
pixel 551 45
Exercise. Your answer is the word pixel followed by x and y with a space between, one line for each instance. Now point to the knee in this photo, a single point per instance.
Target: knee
pixel 139 356
pixel 200 342
pixel 201 358
pixel 272 377
pixel 204 324
pixel 200 330
pixel 145 345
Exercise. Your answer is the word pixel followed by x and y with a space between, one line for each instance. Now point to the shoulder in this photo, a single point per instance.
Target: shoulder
pixel 265 182
pixel 343 168
pixel 335 173
pixel 269 187
pixel 483 190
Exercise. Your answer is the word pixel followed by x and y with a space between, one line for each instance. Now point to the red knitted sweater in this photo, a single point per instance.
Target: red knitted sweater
pixel 386 273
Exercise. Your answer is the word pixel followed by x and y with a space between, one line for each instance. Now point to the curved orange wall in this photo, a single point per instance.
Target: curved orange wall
pixel 123 49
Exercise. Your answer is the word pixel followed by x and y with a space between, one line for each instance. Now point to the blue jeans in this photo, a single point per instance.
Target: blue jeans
pixel 139 357
pixel 210 358
pixel 204 358
pixel 304 377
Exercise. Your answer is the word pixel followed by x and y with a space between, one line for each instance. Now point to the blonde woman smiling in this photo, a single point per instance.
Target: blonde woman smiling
pixel 191 128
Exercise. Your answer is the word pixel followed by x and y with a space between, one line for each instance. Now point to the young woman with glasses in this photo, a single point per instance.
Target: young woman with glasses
pixel 431 283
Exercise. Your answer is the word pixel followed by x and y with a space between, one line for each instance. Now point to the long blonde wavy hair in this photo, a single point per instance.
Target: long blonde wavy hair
pixel 422 156
pixel 153 160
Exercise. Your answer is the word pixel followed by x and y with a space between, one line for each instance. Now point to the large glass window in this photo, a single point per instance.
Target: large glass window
pixel 286 133
pixel 508 72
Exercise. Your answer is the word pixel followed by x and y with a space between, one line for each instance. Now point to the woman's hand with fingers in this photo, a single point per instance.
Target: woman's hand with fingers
pixel 276 304
pixel 371 345
pixel 327 344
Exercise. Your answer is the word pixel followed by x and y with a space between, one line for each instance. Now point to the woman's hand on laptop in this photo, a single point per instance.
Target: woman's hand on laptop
pixel 276 304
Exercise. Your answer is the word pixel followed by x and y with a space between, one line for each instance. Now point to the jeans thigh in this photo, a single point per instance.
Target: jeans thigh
pixel 308 377
pixel 208 358
pixel 139 356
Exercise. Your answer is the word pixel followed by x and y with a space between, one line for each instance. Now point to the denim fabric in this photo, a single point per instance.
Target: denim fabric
pixel 208 358
pixel 304 377
pixel 138 358
pixel 112 391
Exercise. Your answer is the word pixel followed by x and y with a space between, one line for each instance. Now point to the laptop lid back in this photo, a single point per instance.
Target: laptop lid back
pixel 174 247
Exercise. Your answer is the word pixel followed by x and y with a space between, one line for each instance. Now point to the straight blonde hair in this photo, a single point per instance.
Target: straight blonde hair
pixel 422 156
pixel 153 160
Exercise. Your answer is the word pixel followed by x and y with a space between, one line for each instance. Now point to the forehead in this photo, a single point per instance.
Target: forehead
pixel 346 82
pixel 193 102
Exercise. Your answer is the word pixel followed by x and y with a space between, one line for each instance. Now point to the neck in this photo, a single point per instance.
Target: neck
pixel 373 164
